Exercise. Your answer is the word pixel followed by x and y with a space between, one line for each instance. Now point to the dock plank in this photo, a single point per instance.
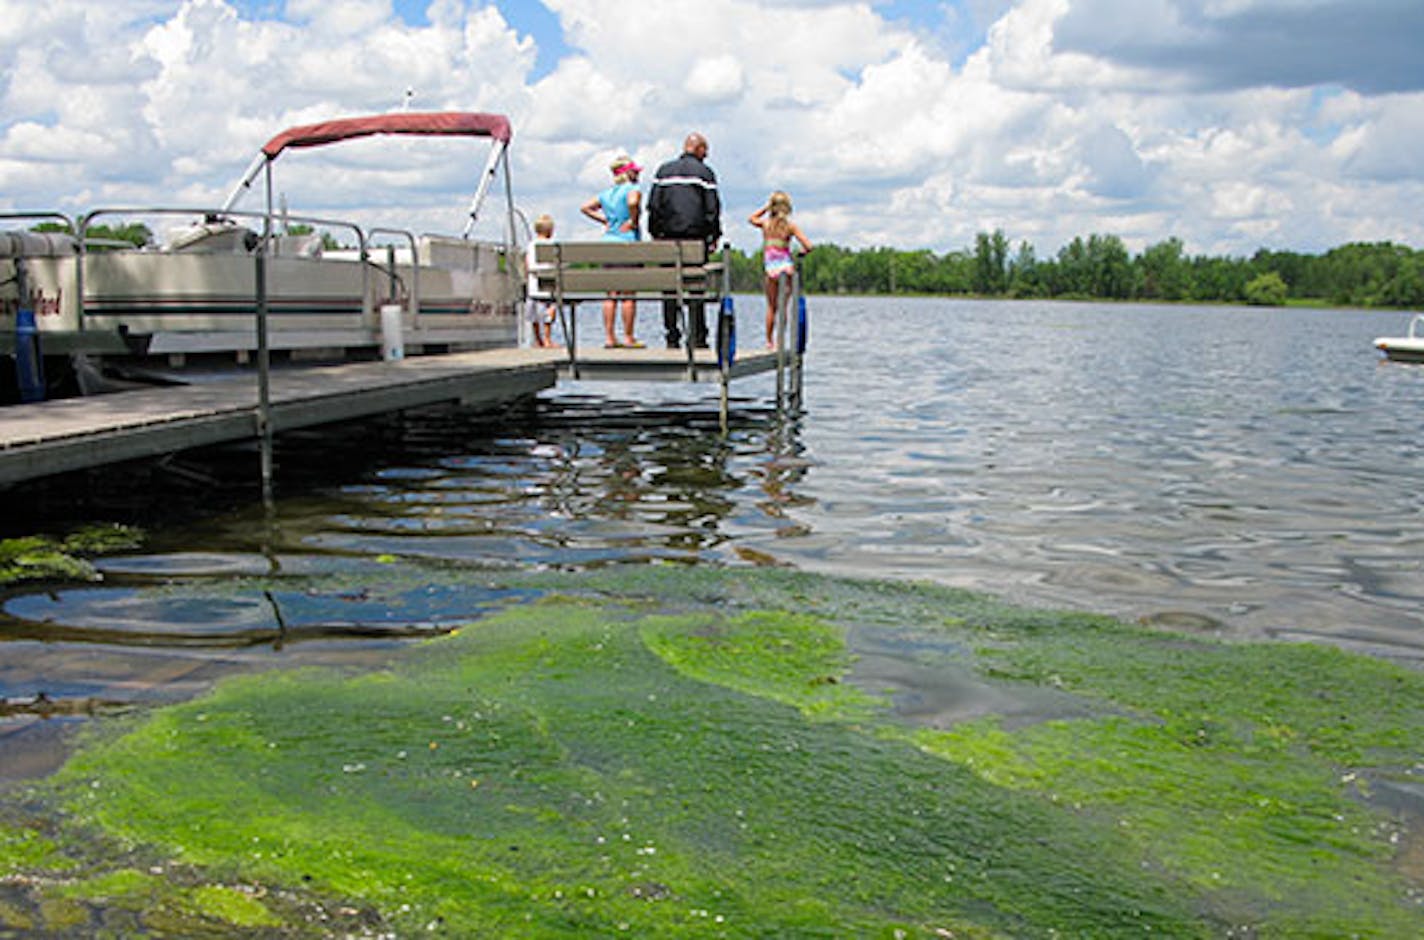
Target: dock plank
pixel 45 438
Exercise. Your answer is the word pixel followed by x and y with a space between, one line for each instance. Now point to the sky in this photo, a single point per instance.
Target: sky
pixel 1231 125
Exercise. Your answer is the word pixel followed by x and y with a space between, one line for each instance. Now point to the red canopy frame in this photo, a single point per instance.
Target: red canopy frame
pixel 418 123
pixel 428 123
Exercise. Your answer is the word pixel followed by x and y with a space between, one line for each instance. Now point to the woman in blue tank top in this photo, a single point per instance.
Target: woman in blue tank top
pixel 618 209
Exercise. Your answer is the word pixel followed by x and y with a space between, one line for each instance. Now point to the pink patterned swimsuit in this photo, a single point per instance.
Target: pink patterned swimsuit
pixel 776 257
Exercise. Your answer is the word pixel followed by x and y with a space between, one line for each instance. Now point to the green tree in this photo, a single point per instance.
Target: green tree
pixel 1111 268
pixel 991 256
pixel 1074 274
pixel 1163 271
pixel 1266 290
pixel 917 272
pixel 1406 287
pixel 1356 274
pixel 134 233
pixel 1293 268
pixel 1218 279
pixel 956 272
pixel 1025 275
pixel 868 272
pixel 822 271
pixel 328 241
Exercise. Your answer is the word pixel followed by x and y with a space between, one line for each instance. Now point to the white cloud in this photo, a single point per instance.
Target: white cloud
pixel 715 79
pixel 1385 145
pixel 348 18
pixel 1046 118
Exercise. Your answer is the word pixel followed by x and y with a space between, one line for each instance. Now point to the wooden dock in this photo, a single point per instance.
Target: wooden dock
pixel 46 438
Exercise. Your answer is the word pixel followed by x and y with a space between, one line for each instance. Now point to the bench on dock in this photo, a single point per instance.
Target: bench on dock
pixel 568 273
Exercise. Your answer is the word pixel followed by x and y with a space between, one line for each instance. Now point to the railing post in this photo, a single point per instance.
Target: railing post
pixel 568 313
pixel 412 288
pixel 685 312
pixel 81 227
pixel 783 298
pixel 726 334
pixel 264 378
pixel 798 341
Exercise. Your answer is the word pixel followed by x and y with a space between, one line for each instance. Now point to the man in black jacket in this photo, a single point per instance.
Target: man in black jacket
pixel 684 205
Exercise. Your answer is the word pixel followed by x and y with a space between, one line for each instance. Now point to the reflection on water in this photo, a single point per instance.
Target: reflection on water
pixel 575 481
pixel 1223 471
pixel 203 617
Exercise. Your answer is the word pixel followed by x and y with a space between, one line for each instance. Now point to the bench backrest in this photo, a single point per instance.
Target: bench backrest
pixel 649 252
pixel 584 270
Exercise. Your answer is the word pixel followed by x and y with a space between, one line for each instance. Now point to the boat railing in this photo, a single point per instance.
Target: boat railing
pixel 59 217
pixel 262 413
pixel 390 268
pixel 18 247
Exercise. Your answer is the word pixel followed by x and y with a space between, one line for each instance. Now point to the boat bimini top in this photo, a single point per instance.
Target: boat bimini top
pixel 420 123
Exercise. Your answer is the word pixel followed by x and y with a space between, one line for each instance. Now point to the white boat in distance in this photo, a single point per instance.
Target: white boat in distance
pixel 1409 348
pixel 88 311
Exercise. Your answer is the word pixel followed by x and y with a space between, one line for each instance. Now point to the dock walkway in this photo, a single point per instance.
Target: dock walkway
pixel 50 437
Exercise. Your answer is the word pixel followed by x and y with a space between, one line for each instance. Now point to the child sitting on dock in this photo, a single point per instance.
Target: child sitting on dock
pixel 777 229
pixel 540 310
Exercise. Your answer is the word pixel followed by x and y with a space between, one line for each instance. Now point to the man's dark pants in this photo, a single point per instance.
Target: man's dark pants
pixel 672 325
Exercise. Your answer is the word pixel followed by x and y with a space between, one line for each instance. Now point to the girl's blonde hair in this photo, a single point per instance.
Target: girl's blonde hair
pixel 544 225
pixel 779 205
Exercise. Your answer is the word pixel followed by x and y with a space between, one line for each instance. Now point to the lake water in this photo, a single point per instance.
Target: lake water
pixel 1243 472
pixel 1258 468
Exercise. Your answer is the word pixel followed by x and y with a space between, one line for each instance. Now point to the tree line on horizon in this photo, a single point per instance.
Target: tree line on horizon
pixel 1358 274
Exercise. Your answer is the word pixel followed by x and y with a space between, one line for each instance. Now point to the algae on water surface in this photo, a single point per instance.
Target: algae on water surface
pixel 38 557
pixel 665 752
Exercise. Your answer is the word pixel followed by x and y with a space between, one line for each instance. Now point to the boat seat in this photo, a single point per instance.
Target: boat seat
pixel 24 244
pixel 298 246
pixel 214 238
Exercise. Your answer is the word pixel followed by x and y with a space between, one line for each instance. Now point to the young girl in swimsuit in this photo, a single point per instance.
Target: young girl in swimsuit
pixel 777 229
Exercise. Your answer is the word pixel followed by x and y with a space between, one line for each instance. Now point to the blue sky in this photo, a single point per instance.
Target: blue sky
pixel 529 18
pixel 1230 124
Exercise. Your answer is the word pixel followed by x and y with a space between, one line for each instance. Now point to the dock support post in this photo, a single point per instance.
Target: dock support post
pixel 783 303
pixel 726 334
pixel 264 383
pixel 684 307
pixel 568 313
pixel 798 344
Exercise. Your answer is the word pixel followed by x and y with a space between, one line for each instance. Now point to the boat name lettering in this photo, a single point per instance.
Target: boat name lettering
pixel 45 306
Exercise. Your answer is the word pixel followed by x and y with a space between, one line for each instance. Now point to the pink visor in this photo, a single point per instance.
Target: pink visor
pixel 629 167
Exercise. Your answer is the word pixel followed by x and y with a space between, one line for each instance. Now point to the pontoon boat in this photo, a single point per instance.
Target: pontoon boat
pixel 1404 348
pixel 91 312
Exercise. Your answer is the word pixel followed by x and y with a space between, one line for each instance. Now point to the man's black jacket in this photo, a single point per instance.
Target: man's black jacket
pixel 684 202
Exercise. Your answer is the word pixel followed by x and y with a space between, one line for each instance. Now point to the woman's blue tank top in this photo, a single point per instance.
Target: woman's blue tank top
pixel 614 200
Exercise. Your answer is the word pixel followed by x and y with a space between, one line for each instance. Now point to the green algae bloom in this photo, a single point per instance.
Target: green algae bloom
pixel 39 557
pixel 22 849
pixel 656 752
